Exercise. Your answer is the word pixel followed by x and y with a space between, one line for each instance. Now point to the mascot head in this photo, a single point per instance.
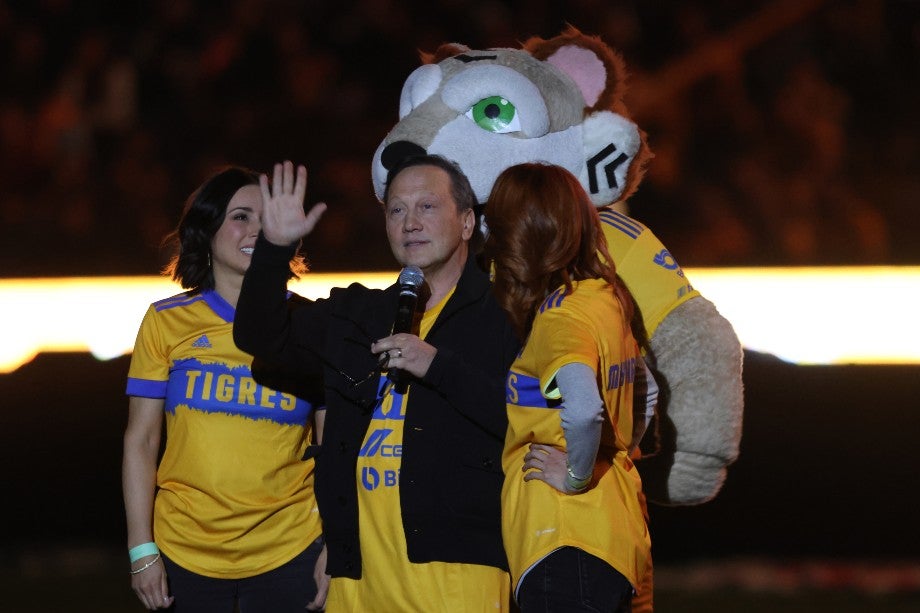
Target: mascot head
pixel 558 101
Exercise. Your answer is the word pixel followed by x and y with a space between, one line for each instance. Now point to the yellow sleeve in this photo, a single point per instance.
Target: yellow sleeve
pixel 560 336
pixel 654 278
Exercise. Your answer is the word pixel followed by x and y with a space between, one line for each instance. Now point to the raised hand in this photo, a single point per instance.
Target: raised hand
pixel 284 221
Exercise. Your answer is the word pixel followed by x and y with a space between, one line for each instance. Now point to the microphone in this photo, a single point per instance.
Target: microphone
pixel 410 281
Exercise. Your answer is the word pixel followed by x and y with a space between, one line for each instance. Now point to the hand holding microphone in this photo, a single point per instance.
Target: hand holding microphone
pixel 403 352
pixel 410 282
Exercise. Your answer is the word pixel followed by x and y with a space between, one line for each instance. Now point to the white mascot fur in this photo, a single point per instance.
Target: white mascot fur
pixel 561 101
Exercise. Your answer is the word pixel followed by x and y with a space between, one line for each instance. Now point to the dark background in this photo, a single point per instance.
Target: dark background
pixel 786 133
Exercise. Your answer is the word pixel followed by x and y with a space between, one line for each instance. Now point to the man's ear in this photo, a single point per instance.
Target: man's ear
pixel 469 224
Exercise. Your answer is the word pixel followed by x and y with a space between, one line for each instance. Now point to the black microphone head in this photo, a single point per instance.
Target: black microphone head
pixel 411 278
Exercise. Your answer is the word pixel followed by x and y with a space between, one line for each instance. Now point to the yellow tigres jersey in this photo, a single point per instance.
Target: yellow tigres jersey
pixel 235 497
pixel 650 272
pixel 390 582
pixel 584 327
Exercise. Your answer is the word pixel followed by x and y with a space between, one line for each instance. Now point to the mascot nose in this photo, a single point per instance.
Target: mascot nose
pixel 397 151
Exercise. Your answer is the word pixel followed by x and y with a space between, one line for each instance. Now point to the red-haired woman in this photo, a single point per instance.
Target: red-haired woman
pixel 573 525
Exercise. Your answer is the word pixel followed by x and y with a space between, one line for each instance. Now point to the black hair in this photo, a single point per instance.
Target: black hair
pixel 202 216
pixel 460 188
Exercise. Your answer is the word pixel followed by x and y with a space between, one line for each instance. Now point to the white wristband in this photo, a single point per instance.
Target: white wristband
pixel 574 482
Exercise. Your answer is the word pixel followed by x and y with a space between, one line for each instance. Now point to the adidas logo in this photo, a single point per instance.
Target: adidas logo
pixel 202 342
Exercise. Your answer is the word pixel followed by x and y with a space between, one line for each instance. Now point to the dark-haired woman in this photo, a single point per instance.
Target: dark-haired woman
pixel 228 518
pixel 572 520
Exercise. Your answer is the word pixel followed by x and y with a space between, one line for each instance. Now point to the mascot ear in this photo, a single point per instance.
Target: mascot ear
pixel 599 72
pixel 615 149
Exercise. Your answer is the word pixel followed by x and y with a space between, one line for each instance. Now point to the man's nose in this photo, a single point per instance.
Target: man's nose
pixel 411 222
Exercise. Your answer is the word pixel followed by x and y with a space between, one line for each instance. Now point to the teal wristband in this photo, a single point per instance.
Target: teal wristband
pixel 142 550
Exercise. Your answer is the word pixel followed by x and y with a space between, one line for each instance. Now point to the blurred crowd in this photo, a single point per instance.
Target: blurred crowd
pixel 785 133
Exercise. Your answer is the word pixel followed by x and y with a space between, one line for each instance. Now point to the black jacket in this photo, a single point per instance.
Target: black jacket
pixel 450 477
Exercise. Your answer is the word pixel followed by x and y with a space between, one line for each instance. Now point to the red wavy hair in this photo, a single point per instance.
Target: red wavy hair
pixel 544 232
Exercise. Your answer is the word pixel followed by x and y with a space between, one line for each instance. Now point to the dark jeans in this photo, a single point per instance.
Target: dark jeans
pixel 287 588
pixel 570 580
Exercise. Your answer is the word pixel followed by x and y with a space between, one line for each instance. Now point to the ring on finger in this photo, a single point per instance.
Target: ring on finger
pixel 398 352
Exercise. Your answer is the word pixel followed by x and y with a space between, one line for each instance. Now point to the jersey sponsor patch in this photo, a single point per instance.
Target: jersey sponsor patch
pixel 395 407
pixel 376 445
pixel 372 478
pixel 664 259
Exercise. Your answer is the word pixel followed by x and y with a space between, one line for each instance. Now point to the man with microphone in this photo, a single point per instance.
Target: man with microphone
pixel 409 477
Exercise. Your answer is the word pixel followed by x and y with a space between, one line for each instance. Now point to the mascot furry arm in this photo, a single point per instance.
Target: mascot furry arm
pixel 561 101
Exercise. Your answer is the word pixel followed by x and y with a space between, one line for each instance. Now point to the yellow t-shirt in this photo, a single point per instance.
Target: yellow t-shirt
pixel 585 327
pixel 389 581
pixel 650 272
pixel 235 497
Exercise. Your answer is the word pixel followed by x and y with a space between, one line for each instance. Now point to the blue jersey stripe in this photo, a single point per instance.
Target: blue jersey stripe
pixel 621 222
pixel 146 388
pixel 220 306
pixel 560 298
pixel 553 300
pixel 623 219
pixel 214 300
pixel 176 301
pixel 524 391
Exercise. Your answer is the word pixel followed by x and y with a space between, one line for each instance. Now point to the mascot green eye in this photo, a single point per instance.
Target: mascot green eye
pixel 495 114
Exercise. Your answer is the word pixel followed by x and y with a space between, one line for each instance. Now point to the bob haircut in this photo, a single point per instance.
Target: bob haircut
pixel 544 232
pixel 202 216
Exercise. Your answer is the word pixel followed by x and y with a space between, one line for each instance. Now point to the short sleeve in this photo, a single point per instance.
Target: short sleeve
pixel 149 369
pixel 561 337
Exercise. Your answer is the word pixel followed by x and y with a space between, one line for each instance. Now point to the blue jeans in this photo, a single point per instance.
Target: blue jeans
pixel 570 580
pixel 287 588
